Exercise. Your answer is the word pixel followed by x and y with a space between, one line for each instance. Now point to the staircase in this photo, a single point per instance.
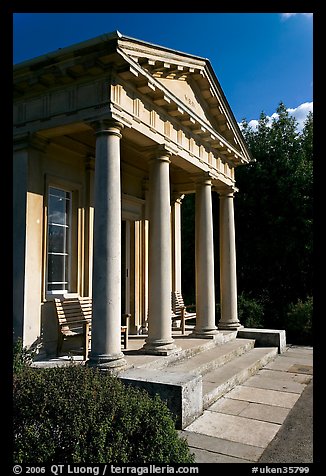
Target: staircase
pixel 200 373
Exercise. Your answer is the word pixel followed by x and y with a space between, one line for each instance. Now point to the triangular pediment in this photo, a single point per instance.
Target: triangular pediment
pixel 186 94
pixel 192 81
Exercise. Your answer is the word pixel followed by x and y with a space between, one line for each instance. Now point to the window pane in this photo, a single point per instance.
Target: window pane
pixel 58 206
pixel 57 287
pixel 56 268
pixel 57 241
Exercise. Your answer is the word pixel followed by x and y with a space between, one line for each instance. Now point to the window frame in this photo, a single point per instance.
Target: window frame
pixel 69 247
pixel 75 250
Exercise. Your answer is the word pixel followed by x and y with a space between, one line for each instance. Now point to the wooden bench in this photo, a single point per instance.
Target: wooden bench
pixel 75 319
pixel 180 310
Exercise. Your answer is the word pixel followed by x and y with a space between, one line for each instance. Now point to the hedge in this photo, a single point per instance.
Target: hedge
pixel 76 414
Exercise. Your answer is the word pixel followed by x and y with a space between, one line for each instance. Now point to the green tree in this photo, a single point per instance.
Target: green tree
pixel 273 212
pixel 273 219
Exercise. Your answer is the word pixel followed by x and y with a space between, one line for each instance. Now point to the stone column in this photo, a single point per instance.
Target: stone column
pixel 204 249
pixel 159 340
pixel 176 243
pixel 106 322
pixel 228 274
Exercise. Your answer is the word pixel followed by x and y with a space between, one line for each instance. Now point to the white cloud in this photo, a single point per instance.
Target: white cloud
pixel 253 124
pixel 285 16
pixel 300 113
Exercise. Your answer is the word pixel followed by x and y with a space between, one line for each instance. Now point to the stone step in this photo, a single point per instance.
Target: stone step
pixel 218 382
pixel 188 348
pixel 206 361
pixel 200 373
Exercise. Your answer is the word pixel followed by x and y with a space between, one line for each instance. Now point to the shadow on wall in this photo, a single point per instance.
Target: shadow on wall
pixel 49 328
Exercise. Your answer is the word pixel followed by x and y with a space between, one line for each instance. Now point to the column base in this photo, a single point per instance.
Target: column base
pixel 204 333
pixel 230 326
pixel 112 363
pixel 159 347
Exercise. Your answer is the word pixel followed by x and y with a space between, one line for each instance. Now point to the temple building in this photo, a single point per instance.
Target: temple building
pixel 109 135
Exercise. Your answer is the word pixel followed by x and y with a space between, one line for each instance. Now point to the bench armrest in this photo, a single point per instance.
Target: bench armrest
pixel 125 319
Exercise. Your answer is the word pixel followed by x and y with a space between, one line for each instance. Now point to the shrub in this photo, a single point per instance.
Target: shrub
pixel 299 322
pixel 250 312
pixel 22 356
pixel 77 414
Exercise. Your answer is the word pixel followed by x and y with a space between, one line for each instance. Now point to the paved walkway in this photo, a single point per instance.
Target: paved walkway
pixel 266 419
pixel 271 410
pixel 293 443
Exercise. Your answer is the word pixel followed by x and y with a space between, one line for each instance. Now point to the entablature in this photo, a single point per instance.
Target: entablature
pixel 161 96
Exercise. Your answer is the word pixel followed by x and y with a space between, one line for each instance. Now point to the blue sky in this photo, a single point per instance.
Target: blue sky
pixel 260 59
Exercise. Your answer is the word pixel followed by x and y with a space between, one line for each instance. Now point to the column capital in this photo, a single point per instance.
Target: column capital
pixel 107 126
pixel 204 178
pixel 158 152
pixel 225 190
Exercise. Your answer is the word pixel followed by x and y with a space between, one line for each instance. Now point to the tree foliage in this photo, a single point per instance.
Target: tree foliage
pixel 274 214
pixel 273 219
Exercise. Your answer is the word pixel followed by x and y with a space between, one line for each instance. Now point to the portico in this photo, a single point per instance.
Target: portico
pixel 125 129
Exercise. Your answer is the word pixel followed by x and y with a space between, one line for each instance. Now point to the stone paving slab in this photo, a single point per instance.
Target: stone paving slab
pixel 235 428
pixel 285 376
pixel 285 362
pixel 269 413
pixel 304 359
pixel 204 456
pixel 229 406
pixel 275 383
pixel 300 351
pixel 241 451
pixel 261 395
pixel 257 411
pixel 301 369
